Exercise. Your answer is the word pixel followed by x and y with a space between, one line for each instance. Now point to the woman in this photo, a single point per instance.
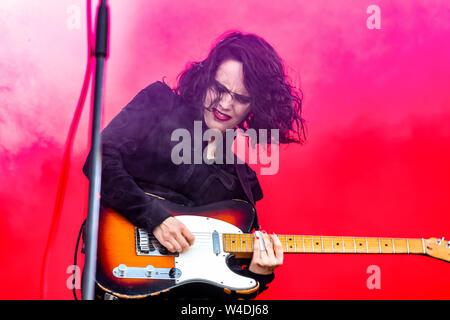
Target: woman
pixel 241 84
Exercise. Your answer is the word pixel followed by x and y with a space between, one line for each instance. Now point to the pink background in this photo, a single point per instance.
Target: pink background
pixel 376 102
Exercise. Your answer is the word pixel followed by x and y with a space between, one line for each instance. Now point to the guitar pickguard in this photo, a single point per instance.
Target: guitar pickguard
pixel 201 263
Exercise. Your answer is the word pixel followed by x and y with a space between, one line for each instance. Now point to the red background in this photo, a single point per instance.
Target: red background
pixel 376 162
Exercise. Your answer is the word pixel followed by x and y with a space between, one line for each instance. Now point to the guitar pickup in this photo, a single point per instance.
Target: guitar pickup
pixel 147 245
pixel 216 242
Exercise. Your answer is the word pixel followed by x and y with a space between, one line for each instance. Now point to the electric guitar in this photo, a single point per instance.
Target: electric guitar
pixel 133 264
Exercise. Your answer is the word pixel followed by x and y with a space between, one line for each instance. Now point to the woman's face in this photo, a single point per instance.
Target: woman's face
pixel 234 105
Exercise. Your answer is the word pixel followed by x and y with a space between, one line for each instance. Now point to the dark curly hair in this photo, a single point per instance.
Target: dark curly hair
pixel 275 103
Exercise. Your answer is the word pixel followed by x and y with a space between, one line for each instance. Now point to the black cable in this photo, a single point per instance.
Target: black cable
pixel 75 260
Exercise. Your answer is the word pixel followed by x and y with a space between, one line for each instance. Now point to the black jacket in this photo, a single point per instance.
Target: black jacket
pixel 136 158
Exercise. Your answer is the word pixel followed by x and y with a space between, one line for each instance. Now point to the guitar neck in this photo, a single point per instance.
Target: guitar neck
pixel 242 244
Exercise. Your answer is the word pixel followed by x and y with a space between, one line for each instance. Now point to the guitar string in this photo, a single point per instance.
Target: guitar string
pixel 200 240
pixel 201 237
pixel 205 238
pixel 208 233
pixel 209 244
pixel 204 244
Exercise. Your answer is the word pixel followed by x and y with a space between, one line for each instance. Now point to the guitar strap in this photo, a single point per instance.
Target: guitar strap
pixel 240 170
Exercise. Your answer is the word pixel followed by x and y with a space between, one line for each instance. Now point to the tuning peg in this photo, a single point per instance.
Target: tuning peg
pixel 439 241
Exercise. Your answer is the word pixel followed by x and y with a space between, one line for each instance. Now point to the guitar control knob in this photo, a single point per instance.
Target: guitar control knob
pixel 149 271
pixel 163 250
pixel 173 272
pixel 122 270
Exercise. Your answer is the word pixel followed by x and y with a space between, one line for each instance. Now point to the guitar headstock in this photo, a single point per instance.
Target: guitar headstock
pixel 438 248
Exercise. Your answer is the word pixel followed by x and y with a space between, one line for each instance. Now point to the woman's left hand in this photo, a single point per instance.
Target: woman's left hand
pixel 265 261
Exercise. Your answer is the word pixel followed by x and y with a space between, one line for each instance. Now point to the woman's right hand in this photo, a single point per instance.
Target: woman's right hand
pixel 174 235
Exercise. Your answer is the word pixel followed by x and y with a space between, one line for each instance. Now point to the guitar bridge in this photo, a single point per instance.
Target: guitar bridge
pixel 148 245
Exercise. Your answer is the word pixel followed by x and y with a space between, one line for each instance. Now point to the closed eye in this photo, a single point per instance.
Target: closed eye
pixel 221 88
pixel 240 98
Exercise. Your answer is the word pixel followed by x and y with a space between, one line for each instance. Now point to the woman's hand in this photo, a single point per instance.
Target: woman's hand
pixel 174 235
pixel 265 261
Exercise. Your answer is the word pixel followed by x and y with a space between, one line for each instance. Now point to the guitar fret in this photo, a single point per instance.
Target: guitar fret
pixel 321 242
pixel 343 245
pixel 379 244
pixel 231 241
pixel 312 243
pixel 285 241
pixel 423 245
pixel 393 246
pixel 367 246
pixel 295 244
pixel 407 245
pixel 332 245
pixel 354 244
pixel 240 240
pixel 246 242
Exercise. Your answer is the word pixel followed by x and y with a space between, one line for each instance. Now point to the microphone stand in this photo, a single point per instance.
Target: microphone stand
pixel 101 43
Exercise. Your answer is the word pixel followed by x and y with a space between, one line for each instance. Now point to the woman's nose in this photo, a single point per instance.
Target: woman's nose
pixel 227 101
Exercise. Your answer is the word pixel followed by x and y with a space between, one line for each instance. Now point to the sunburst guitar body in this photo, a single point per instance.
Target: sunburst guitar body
pixel 133 264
